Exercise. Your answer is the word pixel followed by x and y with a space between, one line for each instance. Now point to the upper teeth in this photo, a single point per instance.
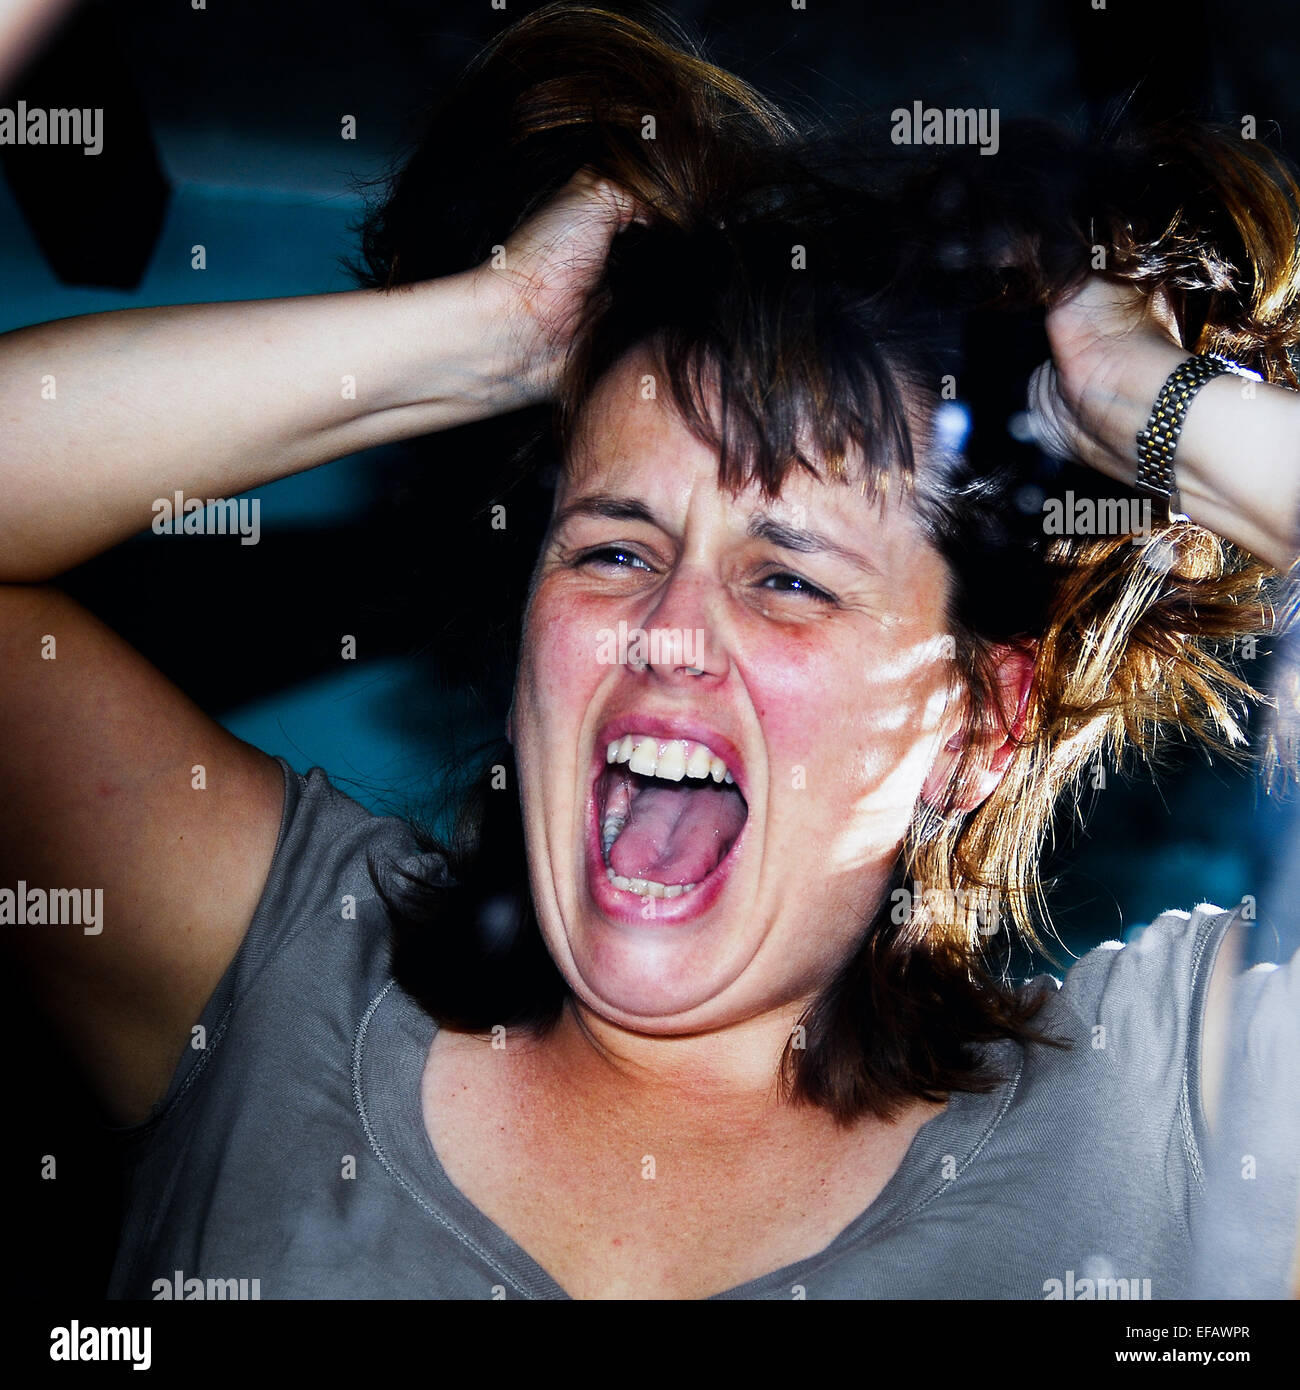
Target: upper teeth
pixel 673 759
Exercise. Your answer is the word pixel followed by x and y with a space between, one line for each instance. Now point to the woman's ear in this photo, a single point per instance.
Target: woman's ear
pixel 1015 679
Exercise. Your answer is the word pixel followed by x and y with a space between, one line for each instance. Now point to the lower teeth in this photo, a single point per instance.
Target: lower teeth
pixel 647 887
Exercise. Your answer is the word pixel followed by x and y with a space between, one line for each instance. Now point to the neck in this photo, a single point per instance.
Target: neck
pixel 723 1080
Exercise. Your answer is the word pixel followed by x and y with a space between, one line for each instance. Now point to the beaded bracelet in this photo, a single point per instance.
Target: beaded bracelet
pixel 1157 443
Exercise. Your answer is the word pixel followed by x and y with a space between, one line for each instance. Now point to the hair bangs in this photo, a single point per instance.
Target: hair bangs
pixel 773 374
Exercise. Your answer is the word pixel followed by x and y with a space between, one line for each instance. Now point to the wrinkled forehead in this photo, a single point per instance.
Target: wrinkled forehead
pixel 634 457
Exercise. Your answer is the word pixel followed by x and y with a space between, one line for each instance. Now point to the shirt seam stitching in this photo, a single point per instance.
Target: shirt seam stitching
pixel 392 1170
pixel 1190 1107
pixel 868 1237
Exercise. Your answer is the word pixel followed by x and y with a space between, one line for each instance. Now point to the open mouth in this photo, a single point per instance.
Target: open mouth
pixel 668 812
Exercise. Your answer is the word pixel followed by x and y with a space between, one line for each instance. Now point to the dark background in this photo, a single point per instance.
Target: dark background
pixel 223 129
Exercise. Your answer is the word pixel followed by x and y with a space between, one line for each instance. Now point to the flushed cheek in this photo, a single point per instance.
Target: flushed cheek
pixel 847 756
pixel 556 685
pixel 785 676
pixel 561 638
pixel 855 711
pixel 558 664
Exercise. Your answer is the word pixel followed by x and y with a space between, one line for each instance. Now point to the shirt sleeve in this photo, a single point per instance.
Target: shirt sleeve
pixel 1145 1000
pixel 324 849
pixel 1249 1221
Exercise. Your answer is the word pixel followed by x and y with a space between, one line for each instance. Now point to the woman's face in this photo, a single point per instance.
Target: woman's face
pixel 801 641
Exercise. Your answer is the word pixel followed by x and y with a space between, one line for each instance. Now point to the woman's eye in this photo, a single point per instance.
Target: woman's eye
pixel 793 584
pixel 615 555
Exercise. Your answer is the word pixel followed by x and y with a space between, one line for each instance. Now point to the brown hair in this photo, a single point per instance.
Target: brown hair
pixel 836 368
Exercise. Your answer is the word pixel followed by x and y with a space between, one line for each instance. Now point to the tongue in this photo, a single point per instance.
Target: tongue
pixel 677 834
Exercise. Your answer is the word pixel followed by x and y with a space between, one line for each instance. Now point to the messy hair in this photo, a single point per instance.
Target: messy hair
pixel 808 299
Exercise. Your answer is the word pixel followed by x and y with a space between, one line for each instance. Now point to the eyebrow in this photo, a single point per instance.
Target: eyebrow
pixel 762 526
pixel 765 527
pixel 611 507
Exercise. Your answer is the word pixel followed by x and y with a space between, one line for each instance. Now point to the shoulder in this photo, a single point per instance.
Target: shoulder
pixel 1151 985
pixel 329 846
pixel 334 860
pixel 317 948
pixel 1136 1010
pixel 1126 1087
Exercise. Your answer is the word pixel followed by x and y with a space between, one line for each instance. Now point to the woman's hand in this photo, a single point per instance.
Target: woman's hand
pixel 1237 464
pixel 540 279
pixel 1111 353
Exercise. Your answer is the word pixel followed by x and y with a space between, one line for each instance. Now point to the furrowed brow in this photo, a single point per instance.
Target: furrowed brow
pixel 802 541
pixel 609 506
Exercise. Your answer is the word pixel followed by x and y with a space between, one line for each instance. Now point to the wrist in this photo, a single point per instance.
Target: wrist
pixel 515 364
pixel 1121 405
pixel 1238 466
pixel 1237 462
pixel 1157 442
pixel 453 352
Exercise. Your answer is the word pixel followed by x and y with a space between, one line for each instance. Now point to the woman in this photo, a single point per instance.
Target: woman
pixel 659 1023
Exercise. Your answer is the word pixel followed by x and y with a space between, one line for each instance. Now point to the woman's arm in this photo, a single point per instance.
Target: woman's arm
pixel 103 803
pixel 104 413
pixel 1237 468
pixel 114 787
pixel 1238 458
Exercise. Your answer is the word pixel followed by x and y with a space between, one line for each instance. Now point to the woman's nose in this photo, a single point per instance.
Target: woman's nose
pixel 682 641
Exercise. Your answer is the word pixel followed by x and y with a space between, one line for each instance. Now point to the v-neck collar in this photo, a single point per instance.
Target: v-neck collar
pixel 390 1050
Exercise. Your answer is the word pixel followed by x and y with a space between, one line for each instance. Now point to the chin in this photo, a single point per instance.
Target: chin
pixel 643 978
pixel 642 975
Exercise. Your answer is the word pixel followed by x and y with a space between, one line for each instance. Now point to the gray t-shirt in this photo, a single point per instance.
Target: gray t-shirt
pixel 290 1148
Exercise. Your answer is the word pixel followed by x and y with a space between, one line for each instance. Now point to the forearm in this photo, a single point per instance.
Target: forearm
pixel 102 414
pixel 1238 459
pixel 1238 467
